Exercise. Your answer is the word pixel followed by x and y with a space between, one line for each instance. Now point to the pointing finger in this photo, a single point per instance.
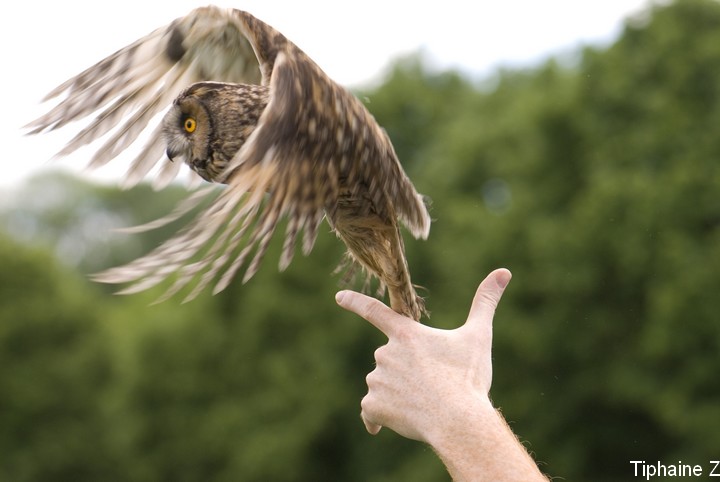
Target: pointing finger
pixel 374 311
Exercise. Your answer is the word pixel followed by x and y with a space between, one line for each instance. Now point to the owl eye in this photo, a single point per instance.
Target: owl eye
pixel 190 125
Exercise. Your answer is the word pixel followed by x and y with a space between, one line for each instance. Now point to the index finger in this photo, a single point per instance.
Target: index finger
pixel 374 311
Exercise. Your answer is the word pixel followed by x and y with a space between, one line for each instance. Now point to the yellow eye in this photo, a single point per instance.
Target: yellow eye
pixel 190 125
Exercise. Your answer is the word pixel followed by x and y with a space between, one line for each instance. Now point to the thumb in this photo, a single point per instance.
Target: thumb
pixel 488 296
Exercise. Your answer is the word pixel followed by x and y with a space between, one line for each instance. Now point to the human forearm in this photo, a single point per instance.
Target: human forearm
pixel 479 446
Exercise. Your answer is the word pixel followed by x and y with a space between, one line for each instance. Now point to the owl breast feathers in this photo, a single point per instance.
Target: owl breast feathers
pixel 251 110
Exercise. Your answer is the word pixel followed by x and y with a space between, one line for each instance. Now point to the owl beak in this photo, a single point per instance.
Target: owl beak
pixel 170 154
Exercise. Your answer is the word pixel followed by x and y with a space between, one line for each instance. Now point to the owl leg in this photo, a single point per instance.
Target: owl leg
pixel 377 247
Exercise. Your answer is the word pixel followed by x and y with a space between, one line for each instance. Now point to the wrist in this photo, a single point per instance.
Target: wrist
pixel 460 422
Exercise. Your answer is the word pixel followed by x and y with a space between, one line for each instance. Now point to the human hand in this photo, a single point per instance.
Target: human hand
pixel 426 378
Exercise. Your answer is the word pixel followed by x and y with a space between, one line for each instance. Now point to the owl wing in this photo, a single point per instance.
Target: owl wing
pixel 127 89
pixel 313 140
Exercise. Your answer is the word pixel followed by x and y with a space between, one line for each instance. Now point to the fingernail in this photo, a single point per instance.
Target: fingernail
pixel 339 297
pixel 503 279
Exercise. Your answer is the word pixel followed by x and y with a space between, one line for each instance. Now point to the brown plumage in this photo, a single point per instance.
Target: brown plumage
pixel 298 146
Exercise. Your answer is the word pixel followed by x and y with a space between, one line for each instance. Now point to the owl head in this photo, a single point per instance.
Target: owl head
pixel 209 122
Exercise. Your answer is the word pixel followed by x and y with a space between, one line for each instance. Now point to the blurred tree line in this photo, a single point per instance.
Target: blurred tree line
pixel 597 182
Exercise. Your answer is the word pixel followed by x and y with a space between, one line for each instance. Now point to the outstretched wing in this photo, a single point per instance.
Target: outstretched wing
pixel 127 89
pixel 313 143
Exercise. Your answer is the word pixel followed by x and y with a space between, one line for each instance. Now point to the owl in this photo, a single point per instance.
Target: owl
pixel 250 110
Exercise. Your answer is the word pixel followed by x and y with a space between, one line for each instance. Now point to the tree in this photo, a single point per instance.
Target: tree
pixel 56 373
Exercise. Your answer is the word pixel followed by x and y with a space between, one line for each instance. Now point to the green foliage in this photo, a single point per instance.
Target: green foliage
pixel 55 374
pixel 596 184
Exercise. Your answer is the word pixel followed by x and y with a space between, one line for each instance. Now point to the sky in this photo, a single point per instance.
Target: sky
pixel 46 42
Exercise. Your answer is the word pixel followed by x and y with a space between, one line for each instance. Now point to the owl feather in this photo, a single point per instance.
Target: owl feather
pixel 286 139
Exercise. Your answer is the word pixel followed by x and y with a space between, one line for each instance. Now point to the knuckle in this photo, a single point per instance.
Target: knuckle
pixel 403 333
pixel 371 408
pixel 365 402
pixel 366 405
pixel 488 299
pixel 371 379
pixel 380 354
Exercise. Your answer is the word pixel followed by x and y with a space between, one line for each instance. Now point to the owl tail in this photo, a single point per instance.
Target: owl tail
pixel 396 277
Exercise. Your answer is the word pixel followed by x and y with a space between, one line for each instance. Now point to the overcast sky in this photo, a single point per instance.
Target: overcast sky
pixel 44 43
